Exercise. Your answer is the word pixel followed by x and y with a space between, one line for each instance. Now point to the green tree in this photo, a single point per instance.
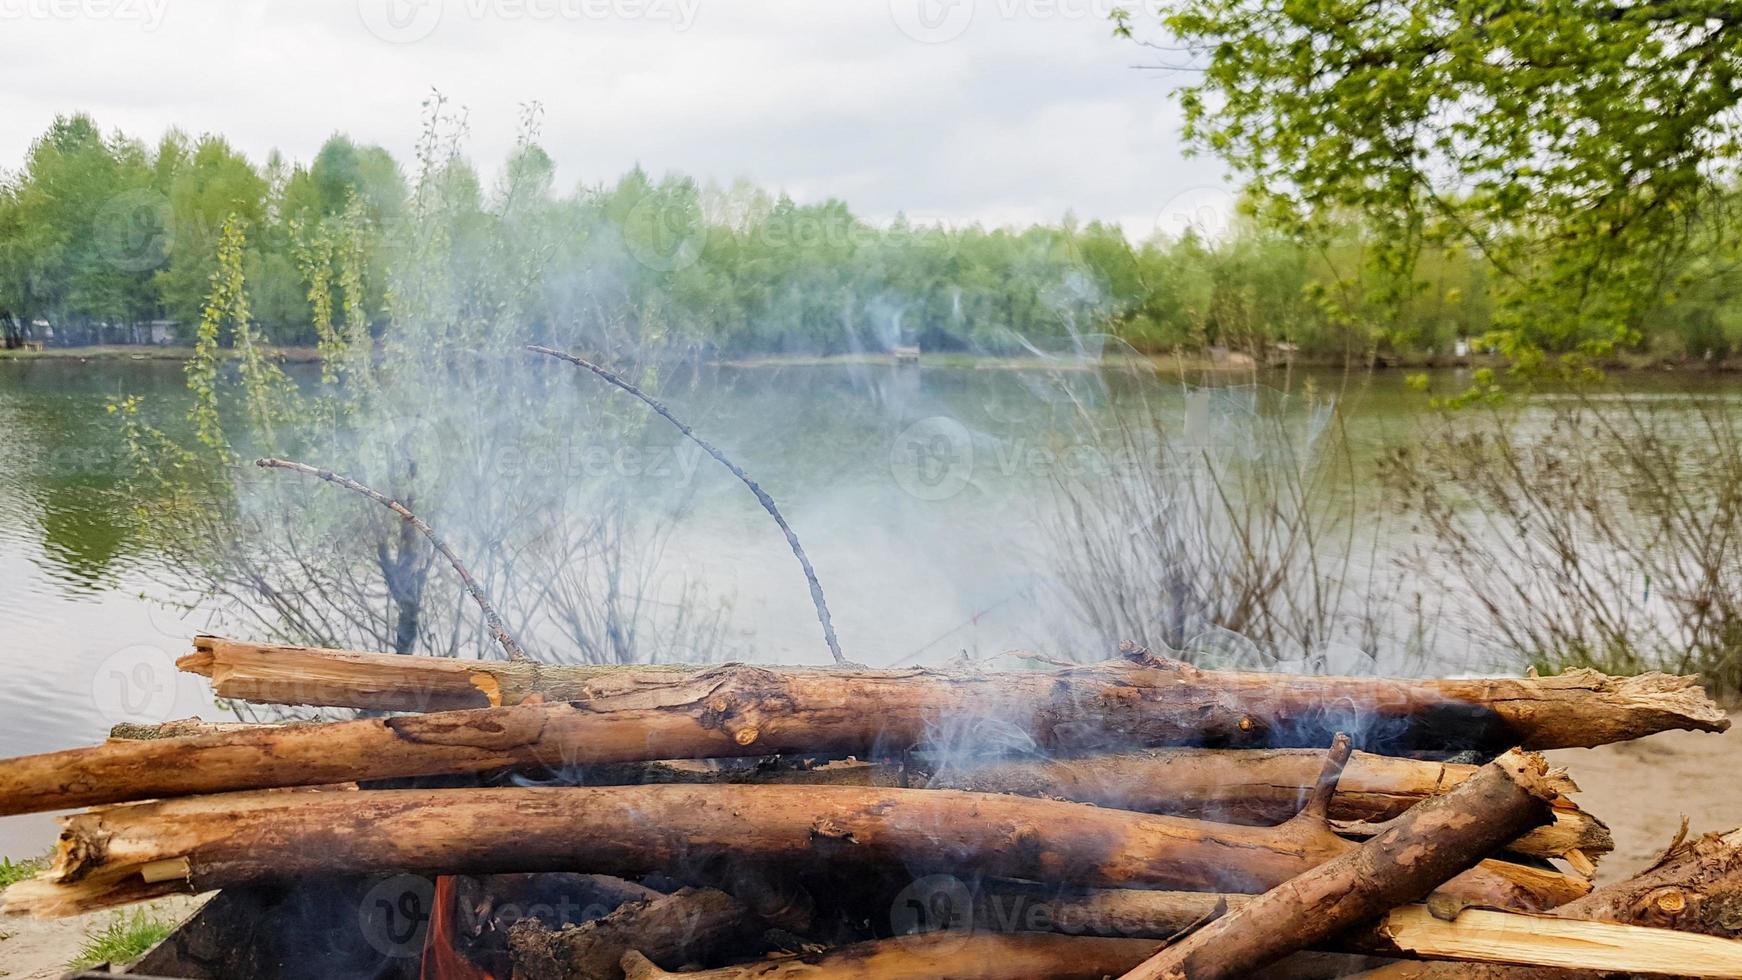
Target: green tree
pixel 212 185
pixel 79 245
pixel 1572 143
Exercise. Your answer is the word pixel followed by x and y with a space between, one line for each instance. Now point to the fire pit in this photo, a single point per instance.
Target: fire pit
pixel 531 822
pixel 305 931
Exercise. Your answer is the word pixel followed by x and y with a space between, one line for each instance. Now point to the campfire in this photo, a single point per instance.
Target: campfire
pixel 1136 817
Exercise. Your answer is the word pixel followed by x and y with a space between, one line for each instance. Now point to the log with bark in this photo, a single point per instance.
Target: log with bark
pixel 1579 708
pixel 1694 886
pixel 1260 786
pixel 1248 786
pixel 1253 786
pixel 1474 937
pixel 973 956
pixel 738 710
pixel 1435 841
pixel 1476 934
pixel 124 854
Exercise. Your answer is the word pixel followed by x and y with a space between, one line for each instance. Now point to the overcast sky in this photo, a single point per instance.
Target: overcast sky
pixel 1000 111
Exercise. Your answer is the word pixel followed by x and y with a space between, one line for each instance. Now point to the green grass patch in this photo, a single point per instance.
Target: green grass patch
pixel 123 940
pixel 11 871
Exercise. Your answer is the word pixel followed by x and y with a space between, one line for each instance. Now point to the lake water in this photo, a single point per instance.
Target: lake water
pixel 918 492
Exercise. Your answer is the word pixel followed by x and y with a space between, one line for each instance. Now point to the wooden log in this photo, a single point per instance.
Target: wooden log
pixel 124 854
pixel 975 956
pixel 739 710
pixel 1256 786
pixel 1576 708
pixel 1260 786
pixel 272 673
pixel 1694 886
pixel 672 930
pixel 1474 938
pixel 1425 847
pixel 980 956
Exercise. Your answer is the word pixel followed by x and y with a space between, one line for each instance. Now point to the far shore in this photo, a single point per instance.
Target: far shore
pixel 1163 362
pixel 143 352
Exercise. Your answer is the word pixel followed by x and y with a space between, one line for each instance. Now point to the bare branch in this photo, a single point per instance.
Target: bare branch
pixel 491 619
pixel 762 496
pixel 1318 804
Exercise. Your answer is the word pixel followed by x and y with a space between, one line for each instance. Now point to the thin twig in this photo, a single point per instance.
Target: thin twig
pixel 491 619
pixel 1318 804
pixel 767 502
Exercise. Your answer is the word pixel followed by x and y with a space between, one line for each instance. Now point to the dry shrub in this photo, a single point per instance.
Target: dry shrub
pixel 1232 539
pixel 1587 529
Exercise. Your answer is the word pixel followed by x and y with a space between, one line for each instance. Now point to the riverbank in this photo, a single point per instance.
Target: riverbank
pixel 964 361
pixel 1233 363
pixel 143 352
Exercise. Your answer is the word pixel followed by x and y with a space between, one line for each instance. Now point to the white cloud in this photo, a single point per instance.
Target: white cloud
pixel 1020 110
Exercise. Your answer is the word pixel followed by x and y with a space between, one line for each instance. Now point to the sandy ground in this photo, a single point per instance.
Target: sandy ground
pixel 1641 789
pixel 32 949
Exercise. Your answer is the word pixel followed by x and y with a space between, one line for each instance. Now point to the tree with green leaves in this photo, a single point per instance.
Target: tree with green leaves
pixel 81 238
pixel 441 409
pixel 214 184
pixel 1577 145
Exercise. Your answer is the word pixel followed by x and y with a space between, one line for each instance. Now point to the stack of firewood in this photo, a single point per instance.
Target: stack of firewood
pixel 845 822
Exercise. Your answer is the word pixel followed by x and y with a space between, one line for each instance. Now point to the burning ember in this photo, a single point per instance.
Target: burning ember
pixel 442 959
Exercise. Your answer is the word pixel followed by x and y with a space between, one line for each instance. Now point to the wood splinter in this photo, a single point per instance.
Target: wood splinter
pixel 1695 886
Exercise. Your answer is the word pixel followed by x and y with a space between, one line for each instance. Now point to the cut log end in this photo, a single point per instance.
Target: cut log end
pixel 1530 772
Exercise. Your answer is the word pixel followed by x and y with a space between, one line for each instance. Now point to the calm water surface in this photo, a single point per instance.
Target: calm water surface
pixel 925 554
